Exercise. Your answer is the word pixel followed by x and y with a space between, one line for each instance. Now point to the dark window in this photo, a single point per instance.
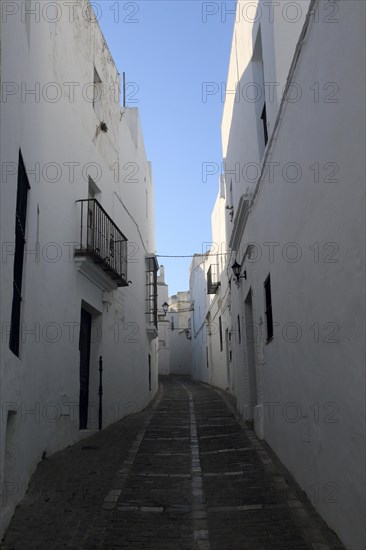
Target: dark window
pixel 268 298
pixel 149 372
pixel 264 121
pixel 220 328
pixel 206 356
pixel 20 222
pixel 213 282
pixel 239 330
pixel 152 268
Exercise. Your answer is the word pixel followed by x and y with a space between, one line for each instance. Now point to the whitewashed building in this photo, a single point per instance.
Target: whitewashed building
pixel 179 315
pixel 212 330
pixel 293 148
pixel 199 328
pixel 174 324
pixel 78 270
pixel 164 325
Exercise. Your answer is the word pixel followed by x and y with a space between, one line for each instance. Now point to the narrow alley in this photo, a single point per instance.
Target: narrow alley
pixel 182 279
pixel 185 473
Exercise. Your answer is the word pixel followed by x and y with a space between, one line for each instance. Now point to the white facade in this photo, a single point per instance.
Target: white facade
pixel 69 155
pixel 199 329
pixel 179 315
pixel 212 331
pixel 295 213
pixel 174 322
pixel 163 325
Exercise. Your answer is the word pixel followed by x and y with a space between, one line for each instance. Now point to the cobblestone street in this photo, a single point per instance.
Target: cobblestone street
pixel 183 474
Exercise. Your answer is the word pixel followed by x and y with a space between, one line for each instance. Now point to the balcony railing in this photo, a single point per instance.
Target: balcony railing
pixel 152 267
pixel 102 241
pixel 213 282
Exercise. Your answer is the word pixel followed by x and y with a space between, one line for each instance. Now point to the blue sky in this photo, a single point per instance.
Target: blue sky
pixel 168 50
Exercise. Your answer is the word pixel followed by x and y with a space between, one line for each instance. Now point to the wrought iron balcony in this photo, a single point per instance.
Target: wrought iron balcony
pixel 213 282
pixel 102 241
pixel 152 267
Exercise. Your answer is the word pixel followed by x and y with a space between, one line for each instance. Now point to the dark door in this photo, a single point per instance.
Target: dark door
pixel 149 372
pixel 84 347
pixel 227 358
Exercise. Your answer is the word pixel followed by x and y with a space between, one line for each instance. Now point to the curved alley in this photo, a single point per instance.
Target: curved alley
pixel 185 473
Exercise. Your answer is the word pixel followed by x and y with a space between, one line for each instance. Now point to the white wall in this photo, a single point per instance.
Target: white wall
pixel 211 351
pixel 164 347
pixel 310 377
pixel 220 303
pixel 180 346
pixel 42 386
pixel 241 155
pixel 198 292
pixel 164 325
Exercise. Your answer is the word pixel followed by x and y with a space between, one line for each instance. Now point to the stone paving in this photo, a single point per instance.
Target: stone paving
pixel 184 474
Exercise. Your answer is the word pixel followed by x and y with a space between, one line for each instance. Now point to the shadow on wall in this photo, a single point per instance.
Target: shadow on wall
pixel 180 349
pixel 250 103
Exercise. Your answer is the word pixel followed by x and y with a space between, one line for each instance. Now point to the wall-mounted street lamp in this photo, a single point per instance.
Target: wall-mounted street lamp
pixel 236 270
pixel 165 307
pixel 188 334
pixel 231 211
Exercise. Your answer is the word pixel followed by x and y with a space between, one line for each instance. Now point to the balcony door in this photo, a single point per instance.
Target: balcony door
pixel 84 348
